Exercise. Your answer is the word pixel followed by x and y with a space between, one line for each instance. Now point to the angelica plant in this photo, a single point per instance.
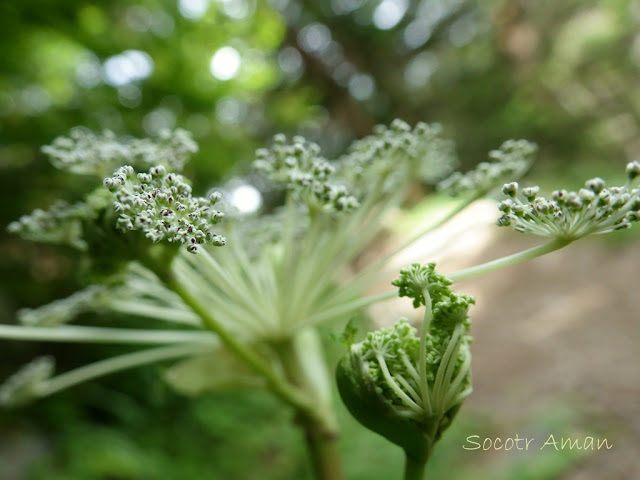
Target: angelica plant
pixel 245 295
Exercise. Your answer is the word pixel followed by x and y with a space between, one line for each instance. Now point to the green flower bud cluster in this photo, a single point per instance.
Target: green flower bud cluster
pixel 59 225
pixel 84 152
pixel 398 153
pixel 448 307
pixel 391 358
pixel 160 204
pixel 572 215
pixel 417 278
pixel 299 167
pixel 511 160
pixel 394 387
pixel 25 384
pixel 63 310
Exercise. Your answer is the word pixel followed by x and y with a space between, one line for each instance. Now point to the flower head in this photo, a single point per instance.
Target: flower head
pixel 84 152
pixel 26 383
pixel 60 225
pixel 63 310
pixel 417 278
pixel 509 162
pixel 299 167
pixel 399 153
pixel 572 215
pixel 160 204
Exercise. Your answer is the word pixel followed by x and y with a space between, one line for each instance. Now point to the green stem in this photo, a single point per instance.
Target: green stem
pixel 260 365
pixel 82 334
pixel 302 361
pixel 509 260
pixel 140 308
pixel 116 364
pixel 422 356
pixel 349 307
pixel 414 469
pixel 325 455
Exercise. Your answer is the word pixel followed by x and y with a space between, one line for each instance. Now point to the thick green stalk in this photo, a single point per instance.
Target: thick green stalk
pixel 324 452
pixel 516 258
pixel 302 360
pixel 414 469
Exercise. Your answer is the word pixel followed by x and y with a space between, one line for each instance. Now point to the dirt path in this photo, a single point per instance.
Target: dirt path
pixel 565 327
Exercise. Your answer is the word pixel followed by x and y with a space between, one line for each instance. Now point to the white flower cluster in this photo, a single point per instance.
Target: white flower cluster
pixel 300 168
pixel 24 384
pixel 160 204
pixel 572 215
pixel 84 152
pixel 58 225
pixel 510 161
pixel 400 153
pixel 63 310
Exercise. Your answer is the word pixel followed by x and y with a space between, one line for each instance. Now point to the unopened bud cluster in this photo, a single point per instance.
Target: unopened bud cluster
pixel 406 388
pixel 58 225
pixel 510 161
pixel 572 215
pixel 160 204
pixel 26 382
pixel 399 151
pixel 84 152
pixel 63 310
pixel 446 305
pixel 300 168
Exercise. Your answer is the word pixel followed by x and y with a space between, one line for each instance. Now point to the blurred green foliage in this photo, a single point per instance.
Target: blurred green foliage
pixel 563 74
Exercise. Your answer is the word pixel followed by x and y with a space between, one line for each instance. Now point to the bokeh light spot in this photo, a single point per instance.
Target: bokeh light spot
pixel 246 198
pixel 225 63
pixel 361 86
pixel 193 9
pixel 127 67
pixel 389 13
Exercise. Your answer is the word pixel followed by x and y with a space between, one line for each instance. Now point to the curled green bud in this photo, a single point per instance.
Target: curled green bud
pixel 27 382
pixel 417 278
pixel 159 203
pixel 380 382
pixel 406 388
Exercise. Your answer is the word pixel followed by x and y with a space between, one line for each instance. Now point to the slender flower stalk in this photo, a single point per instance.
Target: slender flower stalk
pixel 509 260
pixel 36 380
pixel 82 334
